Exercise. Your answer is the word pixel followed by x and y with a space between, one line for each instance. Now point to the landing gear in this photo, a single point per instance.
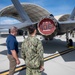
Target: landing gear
pixel 69 41
pixel 46 39
pixel 24 34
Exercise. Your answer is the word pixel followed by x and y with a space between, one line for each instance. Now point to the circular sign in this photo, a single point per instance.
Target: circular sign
pixel 46 26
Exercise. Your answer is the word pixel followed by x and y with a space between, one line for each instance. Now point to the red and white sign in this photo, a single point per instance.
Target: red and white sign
pixel 46 26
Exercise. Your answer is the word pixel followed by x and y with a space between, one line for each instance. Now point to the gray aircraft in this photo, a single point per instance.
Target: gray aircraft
pixel 46 24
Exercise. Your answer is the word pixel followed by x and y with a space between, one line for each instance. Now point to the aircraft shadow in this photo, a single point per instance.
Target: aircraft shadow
pixel 51 47
pixel 57 45
pixel 4 44
pixel 69 57
pixel 4 52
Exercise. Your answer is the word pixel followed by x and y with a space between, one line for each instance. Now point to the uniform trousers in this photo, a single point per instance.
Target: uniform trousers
pixel 30 71
pixel 12 63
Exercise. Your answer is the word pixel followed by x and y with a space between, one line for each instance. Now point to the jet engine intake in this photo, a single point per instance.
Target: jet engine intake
pixel 47 26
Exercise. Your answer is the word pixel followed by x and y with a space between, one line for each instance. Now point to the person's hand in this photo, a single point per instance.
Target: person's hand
pixel 18 62
pixel 41 68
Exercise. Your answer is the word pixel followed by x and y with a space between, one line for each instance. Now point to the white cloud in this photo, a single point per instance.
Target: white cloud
pixel 8 21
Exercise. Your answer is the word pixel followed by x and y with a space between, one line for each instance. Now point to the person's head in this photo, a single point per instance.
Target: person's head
pixel 13 30
pixel 32 30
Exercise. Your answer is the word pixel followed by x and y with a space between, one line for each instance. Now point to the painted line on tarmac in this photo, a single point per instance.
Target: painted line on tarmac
pixel 58 54
pixel 22 67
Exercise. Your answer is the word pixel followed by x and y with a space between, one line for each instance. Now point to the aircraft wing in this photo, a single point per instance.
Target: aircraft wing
pixel 21 11
pixel 19 25
pixel 67 26
pixel 47 25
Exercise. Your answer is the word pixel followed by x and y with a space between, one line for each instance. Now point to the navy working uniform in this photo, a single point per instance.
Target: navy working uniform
pixel 32 53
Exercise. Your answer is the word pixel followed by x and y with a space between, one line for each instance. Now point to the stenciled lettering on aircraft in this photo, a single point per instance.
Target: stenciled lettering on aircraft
pixel 45 26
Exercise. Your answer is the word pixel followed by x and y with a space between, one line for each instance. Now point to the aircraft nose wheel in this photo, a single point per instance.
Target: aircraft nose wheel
pixel 70 43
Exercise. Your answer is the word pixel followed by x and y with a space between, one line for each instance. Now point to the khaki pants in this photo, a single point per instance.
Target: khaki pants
pixel 12 62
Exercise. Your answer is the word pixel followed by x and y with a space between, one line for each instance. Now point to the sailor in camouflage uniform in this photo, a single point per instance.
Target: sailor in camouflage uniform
pixel 32 53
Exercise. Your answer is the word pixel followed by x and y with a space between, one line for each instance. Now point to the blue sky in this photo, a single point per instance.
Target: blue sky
pixel 56 7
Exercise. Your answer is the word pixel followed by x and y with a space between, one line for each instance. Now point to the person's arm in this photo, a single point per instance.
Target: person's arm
pixel 22 51
pixel 13 51
pixel 14 54
pixel 40 52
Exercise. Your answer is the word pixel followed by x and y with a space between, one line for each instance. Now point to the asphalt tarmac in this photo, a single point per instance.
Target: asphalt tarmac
pixel 61 65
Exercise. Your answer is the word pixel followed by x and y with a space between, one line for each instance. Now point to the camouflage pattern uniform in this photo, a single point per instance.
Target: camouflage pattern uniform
pixel 32 53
